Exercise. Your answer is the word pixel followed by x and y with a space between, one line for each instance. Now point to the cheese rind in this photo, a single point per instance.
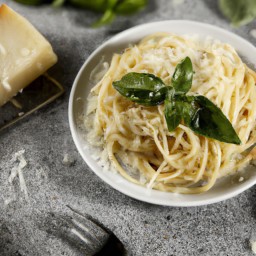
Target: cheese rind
pixel 24 53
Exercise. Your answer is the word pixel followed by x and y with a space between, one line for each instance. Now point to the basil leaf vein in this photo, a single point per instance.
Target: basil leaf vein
pixel 239 12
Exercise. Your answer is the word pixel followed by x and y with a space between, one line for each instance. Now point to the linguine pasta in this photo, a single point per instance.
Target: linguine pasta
pixel 135 138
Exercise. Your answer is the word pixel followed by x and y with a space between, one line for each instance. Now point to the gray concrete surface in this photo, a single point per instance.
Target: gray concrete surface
pixel 221 229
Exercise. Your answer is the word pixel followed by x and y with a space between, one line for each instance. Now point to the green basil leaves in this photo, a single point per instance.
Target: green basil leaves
pixel 197 112
pixel 183 76
pixel 240 12
pixel 127 7
pixel 109 8
pixel 120 7
pixel 142 88
pixel 178 107
pixel 204 118
pixel 208 120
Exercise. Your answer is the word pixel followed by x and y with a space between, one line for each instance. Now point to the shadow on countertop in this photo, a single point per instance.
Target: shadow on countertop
pixel 252 200
pixel 214 6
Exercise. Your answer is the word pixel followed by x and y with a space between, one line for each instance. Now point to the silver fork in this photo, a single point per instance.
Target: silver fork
pixel 85 234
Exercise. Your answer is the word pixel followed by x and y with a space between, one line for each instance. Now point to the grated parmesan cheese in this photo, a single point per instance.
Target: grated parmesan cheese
pixel 18 171
pixel 99 71
pixel 241 179
pixel 9 200
pixel 68 160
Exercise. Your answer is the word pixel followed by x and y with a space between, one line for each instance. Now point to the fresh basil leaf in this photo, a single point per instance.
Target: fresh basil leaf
pixel 94 5
pixel 171 112
pixel 126 7
pixel 58 3
pixel 106 18
pixel 197 112
pixel 172 115
pixel 201 116
pixel 183 76
pixel 111 4
pixel 186 105
pixel 239 12
pixel 177 108
pixel 142 88
pixel 208 120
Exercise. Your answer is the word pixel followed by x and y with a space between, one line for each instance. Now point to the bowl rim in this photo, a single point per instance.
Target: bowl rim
pixel 130 193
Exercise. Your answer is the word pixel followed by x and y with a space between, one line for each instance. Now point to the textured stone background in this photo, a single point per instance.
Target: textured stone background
pixel 221 229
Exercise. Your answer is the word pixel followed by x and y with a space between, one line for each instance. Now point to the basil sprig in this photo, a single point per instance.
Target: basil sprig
pixel 197 112
pixel 209 120
pixel 239 12
pixel 201 116
pixel 183 76
pixel 117 7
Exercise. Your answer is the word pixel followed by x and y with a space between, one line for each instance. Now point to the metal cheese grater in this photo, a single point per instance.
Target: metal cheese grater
pixel 39 93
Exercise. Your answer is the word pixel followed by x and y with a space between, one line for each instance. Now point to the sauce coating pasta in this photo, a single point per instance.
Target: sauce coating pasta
pixel 136 139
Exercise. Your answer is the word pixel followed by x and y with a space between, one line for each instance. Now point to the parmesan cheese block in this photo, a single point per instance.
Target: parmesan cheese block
pixel 24 53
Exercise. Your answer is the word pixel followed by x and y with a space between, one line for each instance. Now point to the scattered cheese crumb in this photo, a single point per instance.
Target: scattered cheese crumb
pixel 253 245
pixel 241 179
pixel 99 71
pixel 253 33
pixel 17 171
pixel 204 183
pixel 12 175
pixel 9 200
pixel 143 179
pixel 67 160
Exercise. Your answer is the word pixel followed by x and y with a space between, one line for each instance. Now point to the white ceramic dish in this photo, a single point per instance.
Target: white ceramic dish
pixel 225 188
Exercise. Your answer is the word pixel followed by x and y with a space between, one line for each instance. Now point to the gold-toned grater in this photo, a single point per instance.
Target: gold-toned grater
pixel 39 93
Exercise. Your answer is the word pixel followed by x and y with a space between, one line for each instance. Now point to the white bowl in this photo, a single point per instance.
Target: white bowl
pixel 224 188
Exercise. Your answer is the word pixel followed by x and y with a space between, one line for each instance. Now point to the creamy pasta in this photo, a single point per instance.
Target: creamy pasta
pixel 135 138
